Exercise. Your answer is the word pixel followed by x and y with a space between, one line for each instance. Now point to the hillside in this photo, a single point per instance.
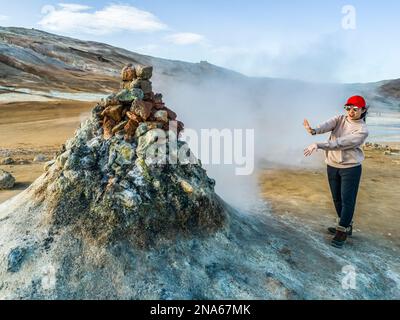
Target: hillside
pixel 391 89
pixel 35 59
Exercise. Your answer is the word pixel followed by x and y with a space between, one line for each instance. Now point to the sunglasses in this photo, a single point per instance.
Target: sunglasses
pixel 348 108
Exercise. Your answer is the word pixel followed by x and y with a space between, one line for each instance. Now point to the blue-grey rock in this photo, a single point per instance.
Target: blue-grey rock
pixel 15 259
pixel 7 180
pixel 40 158
pixel 7 161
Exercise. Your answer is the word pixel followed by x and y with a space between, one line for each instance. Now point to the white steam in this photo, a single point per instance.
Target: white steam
pixel 275 109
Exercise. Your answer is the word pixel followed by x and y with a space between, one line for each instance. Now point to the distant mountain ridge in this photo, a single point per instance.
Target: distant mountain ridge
pixel 34 59
pixel 391 89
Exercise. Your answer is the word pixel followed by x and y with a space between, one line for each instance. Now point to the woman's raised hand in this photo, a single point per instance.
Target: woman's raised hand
pixel 310 149
pixel 307 126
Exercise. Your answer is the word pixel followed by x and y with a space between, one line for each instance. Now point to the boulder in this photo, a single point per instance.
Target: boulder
pixel 144 72
pixel 7 181
pixel 126 96
pixel 138 93
pixel 146 86
pixel 142 109
pixel 108 125
pixel 40 158
pixel 136 84
pixel 134 117
pixel 7 161
pixel 128 73
pixel 158 102
pixel 114 112
pixel 111 100
pixel 158 98
pixel 130 129
pixel 149 96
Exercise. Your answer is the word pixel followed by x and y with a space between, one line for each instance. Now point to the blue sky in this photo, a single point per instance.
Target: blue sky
pixel 287 39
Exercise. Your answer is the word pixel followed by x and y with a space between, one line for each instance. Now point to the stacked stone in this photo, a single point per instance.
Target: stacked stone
pixel 128 73
pixel 138 78
pixel 136 109
pixel 142 81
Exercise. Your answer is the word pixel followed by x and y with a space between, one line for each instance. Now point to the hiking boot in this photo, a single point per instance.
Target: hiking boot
pixel 349 231
pixel 340 237
pixel 332 230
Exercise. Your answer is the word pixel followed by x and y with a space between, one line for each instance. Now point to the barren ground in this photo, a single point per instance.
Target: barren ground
pixel 31 128
pixel 305 194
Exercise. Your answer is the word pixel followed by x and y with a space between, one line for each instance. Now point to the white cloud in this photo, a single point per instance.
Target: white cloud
pixel 185 38
pixel 69 17
pixel 74 7
pixel 3 18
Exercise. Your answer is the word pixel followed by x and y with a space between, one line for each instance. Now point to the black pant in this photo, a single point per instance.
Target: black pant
pixel 344 187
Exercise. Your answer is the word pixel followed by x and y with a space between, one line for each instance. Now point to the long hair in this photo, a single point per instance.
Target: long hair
pixel 364 115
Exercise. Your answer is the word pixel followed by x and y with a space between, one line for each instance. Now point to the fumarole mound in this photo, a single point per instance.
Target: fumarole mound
pixel 126 175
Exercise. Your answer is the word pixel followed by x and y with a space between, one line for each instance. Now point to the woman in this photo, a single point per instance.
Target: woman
pixel 343 155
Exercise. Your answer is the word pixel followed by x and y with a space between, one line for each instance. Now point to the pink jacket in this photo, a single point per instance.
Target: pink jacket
pixel 343 149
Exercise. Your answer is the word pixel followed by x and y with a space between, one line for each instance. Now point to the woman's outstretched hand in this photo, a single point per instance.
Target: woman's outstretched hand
pixel 307 126
pixel 310 149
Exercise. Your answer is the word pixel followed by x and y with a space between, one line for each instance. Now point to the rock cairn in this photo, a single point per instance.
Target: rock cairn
pixel 136 105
